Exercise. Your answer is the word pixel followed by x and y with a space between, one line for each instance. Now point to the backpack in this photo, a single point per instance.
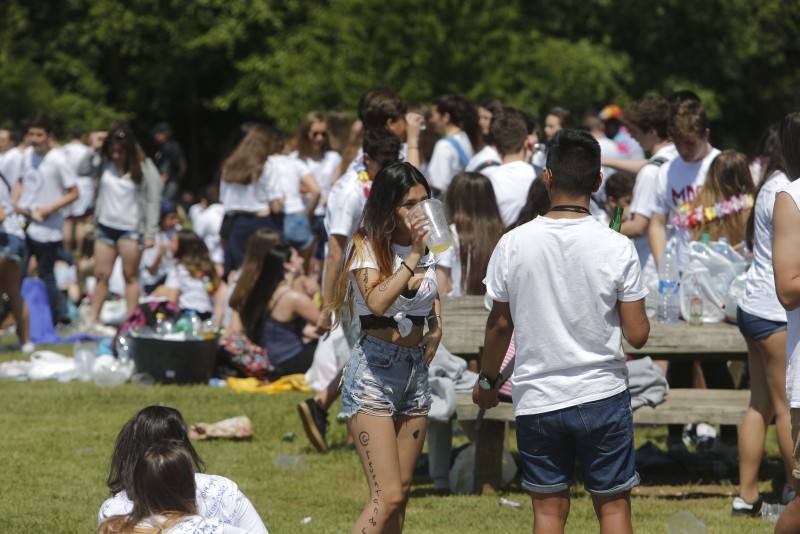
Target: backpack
pixel 239 356
pixel 462 156
pixel 486 165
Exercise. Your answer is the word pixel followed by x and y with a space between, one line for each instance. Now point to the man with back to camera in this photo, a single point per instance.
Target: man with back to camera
pixel 169 159
pixel 568 288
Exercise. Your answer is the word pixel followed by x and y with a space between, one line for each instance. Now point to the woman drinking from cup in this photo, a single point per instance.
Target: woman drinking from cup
pixel 385 391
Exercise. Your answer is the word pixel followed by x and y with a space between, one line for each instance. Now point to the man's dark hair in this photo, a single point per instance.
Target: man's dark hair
pixel 377 106
pixel 649 113
pixel 619 185
pixel 574 161
pixel 381 145
pixel 509 131
pixel 41 121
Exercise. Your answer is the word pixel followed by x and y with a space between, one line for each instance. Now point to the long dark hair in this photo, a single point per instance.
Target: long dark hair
pixel 378 222
pixel 192 253
pixel 121 135
pixel 150 425
pixel 790 139
pixel 771 150
pixel 472 207
pixel 246 162
pixel 463 114
pixel 261 273
pixel 537 203
pixel 163 484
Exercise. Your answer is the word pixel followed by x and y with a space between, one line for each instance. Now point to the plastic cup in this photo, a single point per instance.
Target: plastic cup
pixel 439 239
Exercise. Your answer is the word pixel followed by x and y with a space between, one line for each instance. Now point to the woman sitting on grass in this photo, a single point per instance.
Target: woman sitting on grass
pixel 270 309
pixel 216 497
pixel 164 503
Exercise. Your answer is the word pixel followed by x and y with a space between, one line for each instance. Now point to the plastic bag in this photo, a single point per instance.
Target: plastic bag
pixel 712 268
pixel 696 281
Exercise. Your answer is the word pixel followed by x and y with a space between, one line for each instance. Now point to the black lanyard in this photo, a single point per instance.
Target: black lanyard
pixel 573 209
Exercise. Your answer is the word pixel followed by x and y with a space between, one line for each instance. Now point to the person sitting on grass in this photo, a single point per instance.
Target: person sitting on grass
pixel 568 288
pixel 164 502
pixel 216 497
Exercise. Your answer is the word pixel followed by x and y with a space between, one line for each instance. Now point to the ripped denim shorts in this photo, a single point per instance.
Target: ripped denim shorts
pixel 385 379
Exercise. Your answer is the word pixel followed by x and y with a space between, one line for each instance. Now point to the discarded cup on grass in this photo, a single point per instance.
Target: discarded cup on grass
pixel 771 512
pixel 684 522
pixel 110 372
pixel 508 502
pixel 84 354
pixel 287 460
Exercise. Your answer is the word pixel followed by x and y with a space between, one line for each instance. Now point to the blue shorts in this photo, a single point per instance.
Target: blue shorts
pixel 110 236
pixel 385 379
pixel 598 434
pixel 297 231
pixel 12 247
pixel 756 328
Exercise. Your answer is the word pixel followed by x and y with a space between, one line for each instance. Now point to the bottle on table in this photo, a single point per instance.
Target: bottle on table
pixel 669 305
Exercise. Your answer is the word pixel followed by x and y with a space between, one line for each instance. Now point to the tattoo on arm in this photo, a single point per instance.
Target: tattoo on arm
pixel 385 284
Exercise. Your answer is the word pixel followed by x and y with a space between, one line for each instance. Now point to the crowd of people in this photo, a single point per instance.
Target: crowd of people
pixel 320 231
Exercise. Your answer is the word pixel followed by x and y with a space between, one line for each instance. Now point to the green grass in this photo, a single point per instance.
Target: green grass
pixel 56 439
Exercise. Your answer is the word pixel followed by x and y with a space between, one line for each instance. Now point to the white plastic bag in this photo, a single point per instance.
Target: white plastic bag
pixel 49 365
pixel 697 275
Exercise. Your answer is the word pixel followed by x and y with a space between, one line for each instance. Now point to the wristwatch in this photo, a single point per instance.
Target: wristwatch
pixel 486 383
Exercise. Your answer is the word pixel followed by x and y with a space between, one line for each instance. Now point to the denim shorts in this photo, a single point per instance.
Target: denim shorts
pixel 12 247
pixel 754 327
pixel 110 236
pixel 385 379
pixel 297 231
pixel 598 434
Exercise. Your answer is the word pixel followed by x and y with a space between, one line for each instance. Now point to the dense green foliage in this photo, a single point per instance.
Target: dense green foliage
pixel 206 65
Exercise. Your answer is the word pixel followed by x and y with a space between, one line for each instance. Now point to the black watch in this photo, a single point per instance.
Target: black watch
pixel 486 383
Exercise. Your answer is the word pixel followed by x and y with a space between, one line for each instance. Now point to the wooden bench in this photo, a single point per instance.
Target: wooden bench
pixel 682 406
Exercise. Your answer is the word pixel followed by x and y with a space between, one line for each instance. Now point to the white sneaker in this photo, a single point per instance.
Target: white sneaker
pixel 742 507
pixel 28 347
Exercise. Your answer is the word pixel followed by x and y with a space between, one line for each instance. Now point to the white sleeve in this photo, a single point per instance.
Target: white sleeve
pixel 645 191
pixel 173 280
pixel 440 166
pixel 273 185
pixel 246 517
pixel 67 174
pixel 119 504
pixel 365 259
pixel 342 216
pixel 496 280
pixel 660 196
pixel 630 287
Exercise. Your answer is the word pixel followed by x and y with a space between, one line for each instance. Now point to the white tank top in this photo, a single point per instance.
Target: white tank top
pixel 793 332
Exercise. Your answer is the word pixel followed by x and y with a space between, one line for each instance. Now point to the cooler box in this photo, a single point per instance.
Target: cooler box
pixel 192 361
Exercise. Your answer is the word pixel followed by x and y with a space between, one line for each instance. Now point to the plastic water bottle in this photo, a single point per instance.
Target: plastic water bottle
pixel 669 306
pixel 771 512
pixel 694 295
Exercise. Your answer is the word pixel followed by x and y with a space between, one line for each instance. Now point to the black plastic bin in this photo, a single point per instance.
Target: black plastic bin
pixel 191 361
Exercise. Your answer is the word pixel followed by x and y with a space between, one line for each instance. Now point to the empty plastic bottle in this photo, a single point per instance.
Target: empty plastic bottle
pixel 669 304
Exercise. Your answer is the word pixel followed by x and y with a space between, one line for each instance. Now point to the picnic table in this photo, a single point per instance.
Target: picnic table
pixel 464 323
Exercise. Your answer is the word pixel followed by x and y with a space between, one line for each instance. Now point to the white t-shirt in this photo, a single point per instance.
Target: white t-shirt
pixel 358 162
pixel 191 524
pixel 252 198
pixel 345 205
pixel 419 305
pixel 10 224
pixel 645 196
pixel 562 279
pixel 44 181
pixel 76 152
pixel 678 183
pixel 218 498
pixel 484 155
pixel 149 256
pixel 323 170
pixel 11 165
pixel 446 162
pixel 206 222
pixel 193 292
pixel 116 200
pixel 760 298
pixel 511 182
pixel 793 329
pixel 284 180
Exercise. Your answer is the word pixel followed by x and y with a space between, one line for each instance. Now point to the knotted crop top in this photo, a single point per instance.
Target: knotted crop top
pixel 418 305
